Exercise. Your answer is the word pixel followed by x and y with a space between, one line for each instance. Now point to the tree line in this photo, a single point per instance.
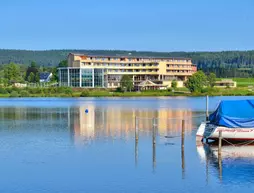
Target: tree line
pixel 223 64
pixel 16 73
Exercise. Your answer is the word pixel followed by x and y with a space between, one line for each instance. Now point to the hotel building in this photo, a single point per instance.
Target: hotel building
pixel 90 71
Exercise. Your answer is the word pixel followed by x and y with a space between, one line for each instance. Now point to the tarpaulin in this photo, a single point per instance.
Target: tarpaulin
pixel 234 114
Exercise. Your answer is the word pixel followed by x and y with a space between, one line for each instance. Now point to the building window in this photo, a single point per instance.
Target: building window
pixel 74 77
pixel 98 78
pixel 87 78
pixel 63 77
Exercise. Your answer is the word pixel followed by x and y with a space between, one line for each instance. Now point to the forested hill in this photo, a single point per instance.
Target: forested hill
pixel 226 63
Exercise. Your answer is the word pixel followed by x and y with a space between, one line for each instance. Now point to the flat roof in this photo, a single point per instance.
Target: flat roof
pixel 225 81
pixel 126 56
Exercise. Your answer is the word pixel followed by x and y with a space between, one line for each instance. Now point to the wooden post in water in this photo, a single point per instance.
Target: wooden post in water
pixel 220 143
pixel 182 149
pixel 207 108
pixel 136 128
pixel 219 155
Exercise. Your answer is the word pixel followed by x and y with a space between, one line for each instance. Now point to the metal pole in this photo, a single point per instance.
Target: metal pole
pixel 207 108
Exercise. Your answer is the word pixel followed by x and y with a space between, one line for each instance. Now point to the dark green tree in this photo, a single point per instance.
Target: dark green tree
pixel 31 77
pixel 126 83
pixel 63 63
pixel 37 77
pixel 196 82
pixel 174 84
pixel 211 79
pixel 33 64
pixel 54 72
pixel 12 73
pixel 31 69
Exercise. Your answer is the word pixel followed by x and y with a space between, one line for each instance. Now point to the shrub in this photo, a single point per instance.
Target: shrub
pixel 85 93
pixel 53 90
pixel 3 91
pixel 169 89
pixel 9 89
pixel 34 90
pixel 16 89
pixel 119 89
pixel 24 93
pixel 38 90
pixel 61 89
pixel 196 82
pixel 205 90
pixel 14 94
pixel 210 90
pixel 68 91
pixel 174 84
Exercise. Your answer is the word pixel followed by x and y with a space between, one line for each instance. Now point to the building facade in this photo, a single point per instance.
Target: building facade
pixel 91 71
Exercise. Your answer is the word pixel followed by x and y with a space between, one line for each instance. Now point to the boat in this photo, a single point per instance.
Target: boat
pixel 235 120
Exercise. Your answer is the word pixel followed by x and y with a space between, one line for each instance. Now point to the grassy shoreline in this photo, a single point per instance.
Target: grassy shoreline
pixel 78 92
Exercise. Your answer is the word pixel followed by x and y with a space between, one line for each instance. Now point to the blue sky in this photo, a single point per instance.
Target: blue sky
pixel 155 25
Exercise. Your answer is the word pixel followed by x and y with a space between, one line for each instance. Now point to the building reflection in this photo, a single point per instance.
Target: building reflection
pixel 101 122
pixel 41 115
pixel 120 123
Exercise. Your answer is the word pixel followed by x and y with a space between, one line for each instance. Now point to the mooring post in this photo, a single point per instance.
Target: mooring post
pixel 136 128
pixel 154 132
pixel 183 132
pixel 207 108
pixel 219 155
pixel 220 143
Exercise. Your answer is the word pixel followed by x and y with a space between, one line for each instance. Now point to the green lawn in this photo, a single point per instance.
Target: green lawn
pixel 241 82
pixel 244 82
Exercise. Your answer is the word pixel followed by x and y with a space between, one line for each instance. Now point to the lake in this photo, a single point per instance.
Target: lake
pixel 53 145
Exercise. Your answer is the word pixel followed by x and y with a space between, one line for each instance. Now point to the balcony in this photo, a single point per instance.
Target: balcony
pixel 180 73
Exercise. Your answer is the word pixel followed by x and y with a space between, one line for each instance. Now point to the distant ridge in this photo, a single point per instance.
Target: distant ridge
pixel 235 59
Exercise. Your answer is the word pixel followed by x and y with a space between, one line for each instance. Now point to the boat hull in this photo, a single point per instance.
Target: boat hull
pixel 210 131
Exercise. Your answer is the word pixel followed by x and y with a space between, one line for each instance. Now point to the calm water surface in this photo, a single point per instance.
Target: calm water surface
pixel 53 145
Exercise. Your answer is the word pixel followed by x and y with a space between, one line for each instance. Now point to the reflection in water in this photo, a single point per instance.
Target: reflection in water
pixel 235 163
pixel 64 149
pixel 120 123
pixel 102 122
pixel 43 119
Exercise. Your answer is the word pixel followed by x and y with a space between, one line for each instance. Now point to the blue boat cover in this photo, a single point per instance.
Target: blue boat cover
pixel 234 114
